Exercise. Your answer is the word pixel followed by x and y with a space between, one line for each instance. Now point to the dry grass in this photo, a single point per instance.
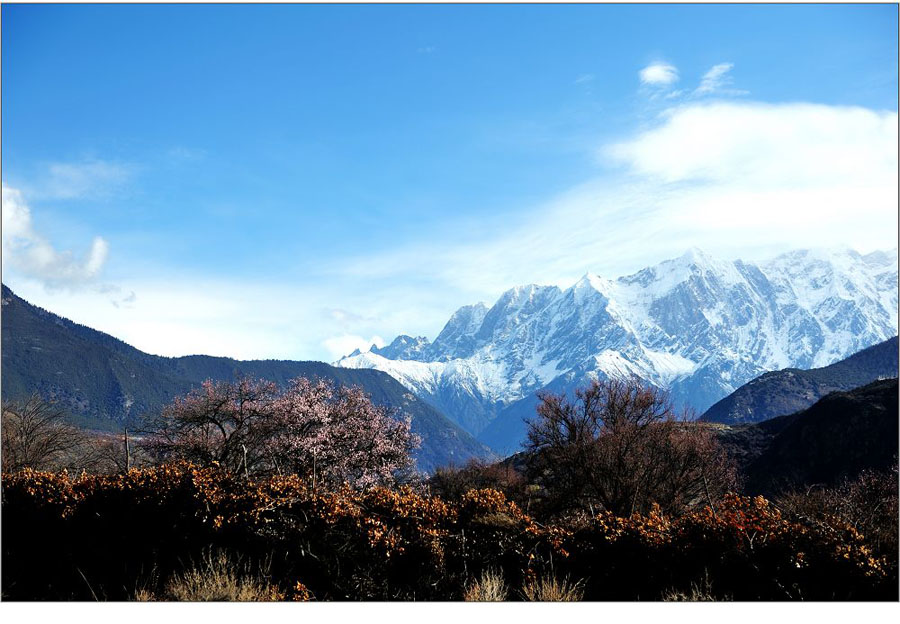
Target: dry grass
pixel 549 589
pixel 489 588
pixel 699 592
pixel 218 578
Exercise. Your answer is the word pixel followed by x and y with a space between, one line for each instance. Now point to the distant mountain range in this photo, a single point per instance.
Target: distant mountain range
pixel 697 325
pixel 840 435
pixel 107 384
pixel 791 390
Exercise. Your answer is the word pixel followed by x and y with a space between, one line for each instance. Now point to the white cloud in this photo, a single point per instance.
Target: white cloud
pixel 788 145
pixel 585 78
pixel 659 74
pixel 736 179
pixel 716 79
pixel 34 256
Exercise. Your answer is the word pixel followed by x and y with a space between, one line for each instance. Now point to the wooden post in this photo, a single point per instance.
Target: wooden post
pixel 127 452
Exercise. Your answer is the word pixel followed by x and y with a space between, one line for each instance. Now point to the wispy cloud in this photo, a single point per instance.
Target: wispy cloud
pixel 659 74
pixel 347 318
pixel 718 80
pixel 738 179
pixel 182 153
pixel 585 79
pixel 83 179
pixel 31 254
pixel 426 50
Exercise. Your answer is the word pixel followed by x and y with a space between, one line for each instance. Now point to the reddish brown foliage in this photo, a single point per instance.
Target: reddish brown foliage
pixel 397 544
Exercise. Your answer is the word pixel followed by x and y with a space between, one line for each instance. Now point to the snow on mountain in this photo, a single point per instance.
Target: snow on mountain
pixel 697 325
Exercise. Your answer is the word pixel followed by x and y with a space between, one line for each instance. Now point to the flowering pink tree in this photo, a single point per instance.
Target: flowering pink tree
pixel 338 435
pixel 312 428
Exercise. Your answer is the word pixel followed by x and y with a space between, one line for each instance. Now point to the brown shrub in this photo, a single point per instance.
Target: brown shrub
pixel 59 530
pixel 868 503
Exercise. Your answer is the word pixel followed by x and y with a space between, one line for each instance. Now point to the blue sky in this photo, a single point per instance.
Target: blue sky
pixel 295 181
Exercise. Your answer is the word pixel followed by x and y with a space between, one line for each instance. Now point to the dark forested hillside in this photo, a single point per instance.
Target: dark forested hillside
pixel 790 390
pixel 841 435
pixel 105 383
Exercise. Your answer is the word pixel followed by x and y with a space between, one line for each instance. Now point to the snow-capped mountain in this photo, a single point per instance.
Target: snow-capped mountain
pixel 697 325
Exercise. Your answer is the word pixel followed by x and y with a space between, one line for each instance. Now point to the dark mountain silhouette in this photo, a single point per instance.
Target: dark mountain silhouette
pixel 839 436
pixel 790 390
pixel 107 384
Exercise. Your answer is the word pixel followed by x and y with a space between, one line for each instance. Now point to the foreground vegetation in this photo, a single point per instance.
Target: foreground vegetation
pixel 249 492
pixel 147 533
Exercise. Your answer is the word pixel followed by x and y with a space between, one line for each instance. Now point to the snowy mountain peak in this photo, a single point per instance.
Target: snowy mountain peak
pixel 402 348
pixel 697 325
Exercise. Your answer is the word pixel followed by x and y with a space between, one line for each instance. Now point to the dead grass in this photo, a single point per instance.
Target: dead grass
pixel 490 587
pixel 218 578
pixel 699 592
pixel 550 589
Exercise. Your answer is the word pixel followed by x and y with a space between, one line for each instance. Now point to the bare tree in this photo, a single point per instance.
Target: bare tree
pixel 220 422
pixel 35 435
pixel 621 446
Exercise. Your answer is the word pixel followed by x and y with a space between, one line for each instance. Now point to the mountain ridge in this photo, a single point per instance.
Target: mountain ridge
pixel 696 325
pixel 836 437
pixel 106 383
pixel 790 390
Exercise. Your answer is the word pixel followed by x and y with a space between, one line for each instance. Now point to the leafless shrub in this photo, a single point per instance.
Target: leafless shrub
pixel 621 446
pixel 869 503
pixel 35 435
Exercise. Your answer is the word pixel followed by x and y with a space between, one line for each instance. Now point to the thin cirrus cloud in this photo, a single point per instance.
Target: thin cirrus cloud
pixel 33 256
pixel 659 74
pixel 90 178
pixel 718 80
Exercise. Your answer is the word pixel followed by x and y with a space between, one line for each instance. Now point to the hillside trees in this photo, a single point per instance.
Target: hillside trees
pixel 621 446
pixel 312 428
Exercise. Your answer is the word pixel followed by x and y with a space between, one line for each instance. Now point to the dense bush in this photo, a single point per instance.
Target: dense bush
pixel 620 446
pixel 76 537
pixel 868 503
